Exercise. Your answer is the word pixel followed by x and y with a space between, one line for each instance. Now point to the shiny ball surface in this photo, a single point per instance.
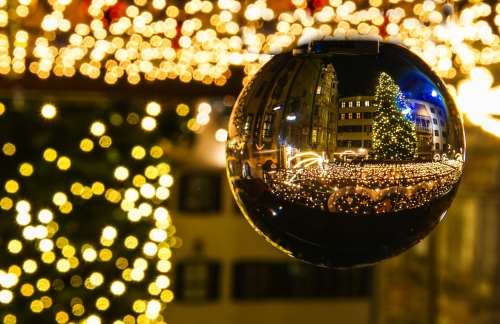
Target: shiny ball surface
pixel 345 153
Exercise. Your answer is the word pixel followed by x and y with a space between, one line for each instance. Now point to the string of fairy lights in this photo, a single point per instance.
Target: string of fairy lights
pixel 365 188
pixel 200 40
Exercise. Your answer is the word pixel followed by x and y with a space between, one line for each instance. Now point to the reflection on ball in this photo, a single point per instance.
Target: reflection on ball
pixel 345 153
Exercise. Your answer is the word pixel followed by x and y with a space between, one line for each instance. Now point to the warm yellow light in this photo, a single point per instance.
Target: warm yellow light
pixel 50 155
pixel 46 245
pixel 59 198
pixel 23 206
pixel 63 265
pixel 86 145
pixel 29 266
pixel 97 129
pixel 121 173
pixel 15 246
pixel 45 216
pixel 138 152
pixel 6 296
pixel 160 214
pixel 9 149
pixel 166 180
pixel 118 288
pixel 182 110
pixel 151 172
pixel 11 186
pixel 49 111
pixel 147 190
pixel 158 235
pixel 64 163
pixel 23 219
pixel 89 255
pixel 131 242
pixel 153 109
pixel 93 320
pixel 109 233
pixel 26 169
pixel 156 152
pixel 148 123
pixel 150 249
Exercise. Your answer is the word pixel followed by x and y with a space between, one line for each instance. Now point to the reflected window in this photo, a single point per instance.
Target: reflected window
pixel 351 104
pixel 342 116
pixel 319 90
pixel 342 104
pixel 441 122
pixel 261 88
pixel 248 123
pixel 367 144
pixel 340 143
pixel 436 133
pixel 440 113
pixel 433 110
pixel 314 135
pixel 417 120
pixel 367 103
pixel 367 115
pixel 434 121
pixel 349 143
pixel 331 117
pixel 358 103
pixel 368 128
pixel 437 146
pixel 199 193
pixel 358 115
pixel 350 116
pixel 268 125
pixel 444 134
pixel 316 111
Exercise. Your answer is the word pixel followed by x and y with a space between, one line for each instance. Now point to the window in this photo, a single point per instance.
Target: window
pixel 441 122
pixel 356 143
pixel 351 103
pixel 331 117
pixel 248 123
pixel 434 121
pixel 358 103
pixel 350 116
pixel 314 135
pixel 367 103
pixel 261 88
pixel 268 125
pixel 367 144
pixel 417 120
pixel 358 115
pixel 197 281
pixel 440 113
pixel 316 111
pixel 342 104
pixel 318 90
pixel 368 129
pixel 349 143
pixel 340 143
pixel 342 116
pixel 433 110
pixel 291 280
pixel 257 127
pixel 367 115
pixel 444 134
pixel 199 193
pixel 436 132
pixel 437 146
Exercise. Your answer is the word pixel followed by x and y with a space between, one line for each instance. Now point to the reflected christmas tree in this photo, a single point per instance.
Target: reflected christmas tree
pixel 394 134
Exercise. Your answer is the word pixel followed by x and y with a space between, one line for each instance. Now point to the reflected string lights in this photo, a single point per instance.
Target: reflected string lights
pixel 85 234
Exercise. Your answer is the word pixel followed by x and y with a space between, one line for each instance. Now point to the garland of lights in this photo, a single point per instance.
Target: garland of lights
pixel 200 40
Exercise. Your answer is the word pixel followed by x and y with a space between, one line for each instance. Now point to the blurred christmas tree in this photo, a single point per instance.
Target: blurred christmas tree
pixel 84 233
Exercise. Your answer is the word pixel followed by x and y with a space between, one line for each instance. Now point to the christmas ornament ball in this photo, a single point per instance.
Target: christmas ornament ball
pixel 345 153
